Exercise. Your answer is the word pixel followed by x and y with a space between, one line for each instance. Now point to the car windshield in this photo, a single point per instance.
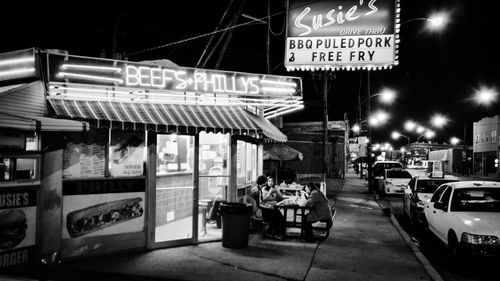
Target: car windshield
pixel 398 174
pixel 429 186
pixel 476 200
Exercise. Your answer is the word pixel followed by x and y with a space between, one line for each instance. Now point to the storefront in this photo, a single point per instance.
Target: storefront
pixel 131 155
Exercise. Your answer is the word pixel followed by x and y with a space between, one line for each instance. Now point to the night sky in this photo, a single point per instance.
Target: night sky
pixel 438 73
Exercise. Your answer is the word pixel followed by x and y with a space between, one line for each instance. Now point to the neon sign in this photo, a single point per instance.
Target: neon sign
pixel 180 80
pixel 84 70
pixel 17 65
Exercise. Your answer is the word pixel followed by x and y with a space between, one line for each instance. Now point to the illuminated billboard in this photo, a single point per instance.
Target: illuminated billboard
pixel 347 34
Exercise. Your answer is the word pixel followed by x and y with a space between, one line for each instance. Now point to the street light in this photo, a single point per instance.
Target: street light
pixel 356 128
pixel 429 134
pixel 396 135
pixel 410 126
pixel 454 140
pixel 485 95
pixel 437 21
pixel 439 120
pixel 378 118
pixel 386 96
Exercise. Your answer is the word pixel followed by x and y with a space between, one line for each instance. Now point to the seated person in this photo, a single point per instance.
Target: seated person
pixel 270 214
pixel 319 209
pixel 270 193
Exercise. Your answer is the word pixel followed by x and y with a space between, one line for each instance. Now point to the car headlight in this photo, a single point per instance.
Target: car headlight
pixel 480 239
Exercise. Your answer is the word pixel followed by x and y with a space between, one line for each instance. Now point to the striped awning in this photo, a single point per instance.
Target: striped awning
pixel 38 123
pixel 180 118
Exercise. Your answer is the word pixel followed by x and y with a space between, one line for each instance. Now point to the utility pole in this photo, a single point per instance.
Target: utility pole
pixel 369 133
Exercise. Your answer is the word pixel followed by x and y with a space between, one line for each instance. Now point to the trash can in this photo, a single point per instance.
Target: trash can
pixel 235 224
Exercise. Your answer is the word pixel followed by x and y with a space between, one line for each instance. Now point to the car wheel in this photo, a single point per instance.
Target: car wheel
pixel 456 253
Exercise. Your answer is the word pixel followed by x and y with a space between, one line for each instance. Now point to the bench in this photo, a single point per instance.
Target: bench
pixel 324 226
pixel 294 215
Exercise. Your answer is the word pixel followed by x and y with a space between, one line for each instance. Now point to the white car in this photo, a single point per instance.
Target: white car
pixel 378 169
pixel 420 189
pixel 465 216
pixel 394 181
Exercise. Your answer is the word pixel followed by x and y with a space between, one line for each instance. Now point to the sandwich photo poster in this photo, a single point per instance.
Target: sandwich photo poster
pixel 18 213
pixel 94 215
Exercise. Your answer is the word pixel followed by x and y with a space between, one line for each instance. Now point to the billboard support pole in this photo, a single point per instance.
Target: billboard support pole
pixel 325 124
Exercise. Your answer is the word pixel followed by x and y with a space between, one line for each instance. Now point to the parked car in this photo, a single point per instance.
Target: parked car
pixel 420 189
pixel 394 181
pixel 378 169
pixel 465 216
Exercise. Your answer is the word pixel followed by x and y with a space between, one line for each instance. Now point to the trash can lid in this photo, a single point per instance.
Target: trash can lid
pixel 234 208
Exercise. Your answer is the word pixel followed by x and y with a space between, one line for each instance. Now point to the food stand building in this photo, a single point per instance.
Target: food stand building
pixel 99 156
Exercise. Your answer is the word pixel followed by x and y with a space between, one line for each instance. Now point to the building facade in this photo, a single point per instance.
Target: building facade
pixel 99 156
pixel 486 146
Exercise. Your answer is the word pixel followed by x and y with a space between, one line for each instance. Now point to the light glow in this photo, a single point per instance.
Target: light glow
pixel 454 140
pixel 395 135
pixel 276 114
pixel 278 90
pixel 17 61
pixel 438 21
pixel 89 77
pixel 410 125
pixel 378 118
pixel 429 134
pixel 485 95
pixel 169 97
pixel 281 83
pixel 92 67
pixel 387 96
pixel 17 71
pixel 439 120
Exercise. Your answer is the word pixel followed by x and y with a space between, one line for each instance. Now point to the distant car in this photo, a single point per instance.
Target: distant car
pixel 420 189
pixel 394 181
pixel 465 216
pixel 378 169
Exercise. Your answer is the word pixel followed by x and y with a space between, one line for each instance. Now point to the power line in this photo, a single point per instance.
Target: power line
pixel 202 35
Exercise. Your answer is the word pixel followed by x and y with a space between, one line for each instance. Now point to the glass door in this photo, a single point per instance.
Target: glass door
pixel 174 213
pixel 213 183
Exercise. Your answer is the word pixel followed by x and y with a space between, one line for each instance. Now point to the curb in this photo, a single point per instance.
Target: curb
pixel 433 273
pixel 429 268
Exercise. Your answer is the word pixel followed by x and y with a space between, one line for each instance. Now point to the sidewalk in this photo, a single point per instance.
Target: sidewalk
pixel 363 245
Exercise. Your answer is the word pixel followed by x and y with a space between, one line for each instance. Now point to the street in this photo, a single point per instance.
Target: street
pixel 436 252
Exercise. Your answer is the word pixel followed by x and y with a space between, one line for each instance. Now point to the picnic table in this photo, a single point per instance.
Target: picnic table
pixel 294 215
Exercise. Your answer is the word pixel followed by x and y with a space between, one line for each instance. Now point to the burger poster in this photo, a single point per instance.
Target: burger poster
pixel 18 212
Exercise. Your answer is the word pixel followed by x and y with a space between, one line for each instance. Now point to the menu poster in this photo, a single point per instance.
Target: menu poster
pixel 17 226
pixel 127 154
pixel 84 154
pixel 83 160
